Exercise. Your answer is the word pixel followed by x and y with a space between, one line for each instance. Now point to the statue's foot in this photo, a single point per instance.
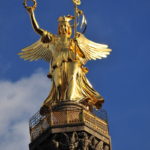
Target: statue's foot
pixel 87 104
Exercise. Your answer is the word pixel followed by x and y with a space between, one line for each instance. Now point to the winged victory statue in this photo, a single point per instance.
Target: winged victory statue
pixel 67 57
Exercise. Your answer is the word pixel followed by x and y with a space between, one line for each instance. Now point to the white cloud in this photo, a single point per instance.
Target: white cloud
pixel 18 102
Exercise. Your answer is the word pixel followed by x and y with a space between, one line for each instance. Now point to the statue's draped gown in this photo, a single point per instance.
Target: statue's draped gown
pixel 67 58
pixel 69 81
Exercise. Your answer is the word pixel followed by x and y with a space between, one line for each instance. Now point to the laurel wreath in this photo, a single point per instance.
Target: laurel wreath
pixel 26 5
pixel 77 2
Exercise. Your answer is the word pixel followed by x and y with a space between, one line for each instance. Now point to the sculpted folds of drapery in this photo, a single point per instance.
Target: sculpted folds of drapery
pixel 67 57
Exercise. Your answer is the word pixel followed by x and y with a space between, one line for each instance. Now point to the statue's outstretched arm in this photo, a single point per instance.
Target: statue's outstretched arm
pixel 34 21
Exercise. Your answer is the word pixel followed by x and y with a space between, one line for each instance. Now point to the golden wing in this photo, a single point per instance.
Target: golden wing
pixel 38 50
pixel 91 49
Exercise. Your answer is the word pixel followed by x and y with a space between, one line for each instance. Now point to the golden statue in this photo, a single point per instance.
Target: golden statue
pixel 67 56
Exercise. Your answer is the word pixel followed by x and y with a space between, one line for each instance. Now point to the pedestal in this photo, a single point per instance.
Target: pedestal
pixel 69 126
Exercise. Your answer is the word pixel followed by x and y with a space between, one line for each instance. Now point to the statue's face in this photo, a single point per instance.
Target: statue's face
pixel 64 29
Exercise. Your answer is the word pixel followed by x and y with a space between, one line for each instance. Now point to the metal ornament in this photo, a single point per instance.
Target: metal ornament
pixel 26 5
pixel 77 2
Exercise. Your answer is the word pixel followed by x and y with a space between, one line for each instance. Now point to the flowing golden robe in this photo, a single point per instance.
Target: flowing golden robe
pixel 67 58
pixel 69 81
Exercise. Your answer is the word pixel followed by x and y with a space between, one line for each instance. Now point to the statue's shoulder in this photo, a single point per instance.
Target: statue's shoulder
pixel 47 33
pixel 48 37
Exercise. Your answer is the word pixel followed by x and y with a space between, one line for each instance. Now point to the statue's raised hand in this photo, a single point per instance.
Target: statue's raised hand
pixel 30 8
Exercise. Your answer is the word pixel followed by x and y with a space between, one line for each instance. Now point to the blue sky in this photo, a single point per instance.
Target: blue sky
pixel 122 78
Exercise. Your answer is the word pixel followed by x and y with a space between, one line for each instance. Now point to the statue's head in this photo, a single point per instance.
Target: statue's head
pixel 64 27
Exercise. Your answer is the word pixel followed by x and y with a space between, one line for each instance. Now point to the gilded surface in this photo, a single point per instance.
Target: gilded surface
pixel 77 2
pixel 67 57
